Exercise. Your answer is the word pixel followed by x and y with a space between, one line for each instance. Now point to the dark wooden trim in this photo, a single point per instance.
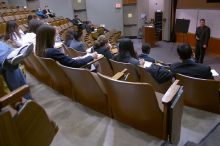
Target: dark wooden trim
pixel 213 46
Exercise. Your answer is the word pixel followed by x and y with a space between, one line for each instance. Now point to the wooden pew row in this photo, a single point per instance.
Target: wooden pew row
pixel 16 129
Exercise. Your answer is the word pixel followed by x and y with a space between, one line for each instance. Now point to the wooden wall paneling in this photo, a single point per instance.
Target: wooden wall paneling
pixel 197 4
pixel 213 46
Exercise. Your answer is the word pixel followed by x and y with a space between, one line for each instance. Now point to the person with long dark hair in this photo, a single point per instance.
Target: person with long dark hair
pixel 127 53
pixel 13 34
pixel 45 41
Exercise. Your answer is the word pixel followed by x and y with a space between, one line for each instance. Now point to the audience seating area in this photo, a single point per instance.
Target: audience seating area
pixel 136 99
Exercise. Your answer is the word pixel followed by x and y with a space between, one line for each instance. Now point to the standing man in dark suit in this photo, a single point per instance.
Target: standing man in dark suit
pixel 188 66
pixel 202 39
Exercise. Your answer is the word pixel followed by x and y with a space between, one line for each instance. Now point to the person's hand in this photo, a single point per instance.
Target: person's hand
pixel 141 61
pixel 95 55
pixel 197 38
pixel 204 46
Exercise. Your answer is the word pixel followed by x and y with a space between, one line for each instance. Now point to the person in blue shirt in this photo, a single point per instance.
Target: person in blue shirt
pixel 76 43
pixel 9 69
pixel 145 53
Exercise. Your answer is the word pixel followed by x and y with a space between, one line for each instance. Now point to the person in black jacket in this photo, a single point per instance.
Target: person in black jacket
pixel 102 46
pixel 188 66
pixel 202 38
pixel 45 40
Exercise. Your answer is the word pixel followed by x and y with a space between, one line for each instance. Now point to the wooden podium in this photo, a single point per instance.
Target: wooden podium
pixel 149 35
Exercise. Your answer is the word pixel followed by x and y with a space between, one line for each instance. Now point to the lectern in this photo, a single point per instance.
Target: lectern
pixel 149 35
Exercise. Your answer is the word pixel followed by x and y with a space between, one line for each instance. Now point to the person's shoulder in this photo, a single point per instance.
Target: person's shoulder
pixel 177 64
pixel 203 66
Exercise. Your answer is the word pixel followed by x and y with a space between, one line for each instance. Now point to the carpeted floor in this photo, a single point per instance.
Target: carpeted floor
pixel 80 126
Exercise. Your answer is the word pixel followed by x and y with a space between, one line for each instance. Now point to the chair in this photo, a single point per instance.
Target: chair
pixel 201 93
pixel 59 80
pixel 88 88
pixel 74 53
pixel 136 104
pixel 133 73
pixel 42 73
pixel 146 77
pixel 105 67
pixel 30 126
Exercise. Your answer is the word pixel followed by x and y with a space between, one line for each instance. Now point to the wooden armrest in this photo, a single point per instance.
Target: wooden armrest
pixel 171 92
pixel 119 74
pixel 95 60
pixel 14 96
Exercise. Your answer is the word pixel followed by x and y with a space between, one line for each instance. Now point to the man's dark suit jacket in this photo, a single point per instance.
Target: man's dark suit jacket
pixel 190 68
pixel 203 34
pixel 146 57
pixel 65 60
pixel 104 51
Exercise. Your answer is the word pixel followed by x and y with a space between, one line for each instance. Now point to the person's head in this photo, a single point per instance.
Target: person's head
pixel 29 17
pixel 184 51
pixel 145 48
pixel 34 24
pixel 45 38
pixel 101 41
pixel 77 35
pixel 11 28
pixel 76 16
pixel 68 36
pixel 202 22
pixel 126 46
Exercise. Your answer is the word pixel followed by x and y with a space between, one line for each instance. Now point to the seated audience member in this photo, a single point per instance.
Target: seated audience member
pixel 45 41
pixel 127 53
pixel 30 36
pixel 89 27
pixel 76 43
pixel 48 12
pixel 68 36
pixel 188 66
pixel 145 53
pixel 13 35
pixel 101 46
pixel 9 60
pixel 40 13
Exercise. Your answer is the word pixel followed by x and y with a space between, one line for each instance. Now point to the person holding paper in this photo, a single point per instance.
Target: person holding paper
pixel 45 40
pixel 202 39
pixel 188 66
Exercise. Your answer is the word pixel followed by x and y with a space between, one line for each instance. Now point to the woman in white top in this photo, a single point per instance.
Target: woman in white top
pixel 13 34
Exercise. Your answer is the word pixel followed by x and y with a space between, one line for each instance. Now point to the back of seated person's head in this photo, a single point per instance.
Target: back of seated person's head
pixel 34 24
pixel 126 47
pixel 184 51
pixel 45 38
pixel 29 17
pixel 68 35
pixel 145 48
pixel 77 35
pixel 101 41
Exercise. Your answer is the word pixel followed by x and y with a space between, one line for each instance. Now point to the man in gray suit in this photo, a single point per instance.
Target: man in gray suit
pixel 202 38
